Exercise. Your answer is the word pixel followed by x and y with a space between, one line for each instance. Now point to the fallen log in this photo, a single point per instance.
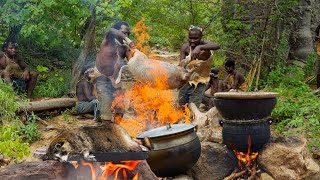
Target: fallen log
pixel 48 104
pixel 45 170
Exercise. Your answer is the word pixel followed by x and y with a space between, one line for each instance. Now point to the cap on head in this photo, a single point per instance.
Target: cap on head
pixel 193 28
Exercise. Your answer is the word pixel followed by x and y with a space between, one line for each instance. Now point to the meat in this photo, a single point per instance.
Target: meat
pixel 150 71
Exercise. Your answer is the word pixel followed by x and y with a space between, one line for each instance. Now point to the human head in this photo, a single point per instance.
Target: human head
pixel 9 47
pixel 121 26
pixel 195 35
pixel 214 72
pixel 88 71
pixel 230 65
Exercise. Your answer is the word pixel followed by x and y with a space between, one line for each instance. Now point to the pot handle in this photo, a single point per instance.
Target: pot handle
pixel 221 122
pixel 147 142
pixel 195 128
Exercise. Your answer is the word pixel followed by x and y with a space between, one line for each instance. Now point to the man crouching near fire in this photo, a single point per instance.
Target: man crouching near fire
pixel 114 48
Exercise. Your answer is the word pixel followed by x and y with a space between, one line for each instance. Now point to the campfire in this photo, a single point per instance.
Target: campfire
pixel 247 166
pixel 95 171
pixel 148 105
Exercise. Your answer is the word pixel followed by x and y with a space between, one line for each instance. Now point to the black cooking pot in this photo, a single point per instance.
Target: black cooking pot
pixel 245 105
pixel 246 115
pixel 235 136
pixel 174 148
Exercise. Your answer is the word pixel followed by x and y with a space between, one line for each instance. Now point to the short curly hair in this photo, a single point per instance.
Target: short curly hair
pixel 230 63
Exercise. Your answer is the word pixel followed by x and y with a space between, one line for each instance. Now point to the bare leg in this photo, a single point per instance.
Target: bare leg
pixel 31 83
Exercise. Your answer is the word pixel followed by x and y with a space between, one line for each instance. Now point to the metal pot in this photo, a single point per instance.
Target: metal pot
pixel 174 148
pixel 246 114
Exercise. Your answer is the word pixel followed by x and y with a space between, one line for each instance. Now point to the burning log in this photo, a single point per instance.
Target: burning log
pixel 39 170
pixel 149 71
pixel 235 174
pixel 48 104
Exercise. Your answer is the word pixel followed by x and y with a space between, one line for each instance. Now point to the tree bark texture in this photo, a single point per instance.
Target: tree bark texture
pixel 48 104
pixel 88 48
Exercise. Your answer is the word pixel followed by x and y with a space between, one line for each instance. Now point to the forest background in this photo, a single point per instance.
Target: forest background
pixel 272 41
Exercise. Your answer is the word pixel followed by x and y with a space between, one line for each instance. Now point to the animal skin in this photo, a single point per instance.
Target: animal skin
pixel 108 137
pixel 146 70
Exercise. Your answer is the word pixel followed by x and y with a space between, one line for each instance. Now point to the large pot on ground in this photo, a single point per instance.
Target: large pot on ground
pixel 246 115
pixel 174 148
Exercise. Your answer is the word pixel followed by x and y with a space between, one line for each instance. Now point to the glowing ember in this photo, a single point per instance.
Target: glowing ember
pixel 247 158
pixel 152 105
pixel 247 168
pixel 110 171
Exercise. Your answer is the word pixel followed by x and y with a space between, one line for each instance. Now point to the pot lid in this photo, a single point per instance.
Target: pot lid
pixel 245 95
pixel 167 130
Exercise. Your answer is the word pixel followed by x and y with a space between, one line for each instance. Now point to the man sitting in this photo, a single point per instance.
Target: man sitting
pixel 215 85
pixel 12 66
pixel 87 102
pixel 234 80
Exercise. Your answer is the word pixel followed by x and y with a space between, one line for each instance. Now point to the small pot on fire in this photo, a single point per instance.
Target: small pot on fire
pixel 175 148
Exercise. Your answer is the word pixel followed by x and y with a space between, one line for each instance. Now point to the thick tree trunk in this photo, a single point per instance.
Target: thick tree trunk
pixel 301 42
pixel 88 49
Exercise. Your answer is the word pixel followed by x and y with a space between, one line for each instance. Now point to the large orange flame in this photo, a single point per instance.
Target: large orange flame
pixel 151 104
pixel 246 158
pixel 112 171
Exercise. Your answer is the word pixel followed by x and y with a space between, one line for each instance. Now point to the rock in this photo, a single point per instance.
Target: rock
pixel 288 158
pixel 266 176
pixel 50 127
pixel 215 162
pixel 182 177
pixel 145 173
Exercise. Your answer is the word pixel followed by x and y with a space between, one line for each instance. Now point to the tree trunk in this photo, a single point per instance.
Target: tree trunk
pixel 88 48
pixel 48 104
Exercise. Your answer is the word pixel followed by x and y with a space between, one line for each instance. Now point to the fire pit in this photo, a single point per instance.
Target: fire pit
pixel 174 148
pixel 246 127
pixel 245 114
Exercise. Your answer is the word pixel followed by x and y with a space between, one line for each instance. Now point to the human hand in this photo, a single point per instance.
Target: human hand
pixel 196 52
pixel 132 45
pixel 26 75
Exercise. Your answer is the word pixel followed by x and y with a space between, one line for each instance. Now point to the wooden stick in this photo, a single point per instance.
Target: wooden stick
pixel 235 174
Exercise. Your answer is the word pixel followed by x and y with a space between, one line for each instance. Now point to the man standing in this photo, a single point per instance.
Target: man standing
pixel 114 48
pixel 13 67
pixel 191 53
